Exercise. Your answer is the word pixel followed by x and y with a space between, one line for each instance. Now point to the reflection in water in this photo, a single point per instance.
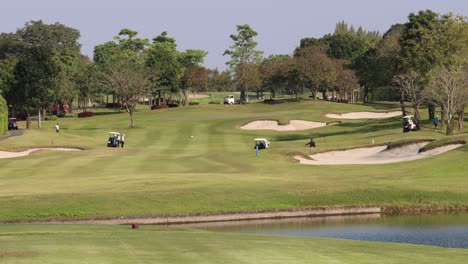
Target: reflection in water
pixel 438 230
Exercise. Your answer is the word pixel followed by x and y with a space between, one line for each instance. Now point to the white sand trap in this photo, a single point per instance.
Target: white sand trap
pixel 7 154
pixel 364 115
pixel 273 125
pixel 375 155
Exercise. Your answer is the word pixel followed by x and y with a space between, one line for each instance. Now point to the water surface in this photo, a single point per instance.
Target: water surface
pixel 447 230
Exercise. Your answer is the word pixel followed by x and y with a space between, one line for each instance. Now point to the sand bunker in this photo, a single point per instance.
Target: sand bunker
pixel 375 155
pixel 7 154
pixel 364 115
pixel 273 125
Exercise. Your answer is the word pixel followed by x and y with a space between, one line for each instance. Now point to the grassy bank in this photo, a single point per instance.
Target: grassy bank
pixel 152 244
pixel 197 159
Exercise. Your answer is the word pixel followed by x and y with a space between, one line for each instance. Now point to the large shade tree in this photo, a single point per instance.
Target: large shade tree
pixel 123 70
pixel 316 69
pixel 244 58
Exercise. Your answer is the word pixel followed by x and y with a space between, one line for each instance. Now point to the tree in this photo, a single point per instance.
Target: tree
pixel 247 76
pixel 163 60
pixel 195 76
pixel 35 77
pixel 85 80
pixel 447 87
pixel 411 85
pixel 430 40
pixel 130 81
pixel 219 81
pixel 273 73
pixel 293 76
pixel 377 66
pixel 243 56
pixel 346 83
pixel 316 69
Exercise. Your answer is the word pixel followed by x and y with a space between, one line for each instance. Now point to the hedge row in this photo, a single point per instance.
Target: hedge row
pixel 3 116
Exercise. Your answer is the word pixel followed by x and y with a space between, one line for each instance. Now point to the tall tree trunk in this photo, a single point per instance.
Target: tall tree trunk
pixel 449 129
pixel 39 121
pixel 417 116
pixel 443 119
pixel 130 111
pixel 242 95
pixel 70 105
pixel 402 104
pixel 461 117
pixel 28 120
pixel 366 94
pixel 431 111
pixel 324 95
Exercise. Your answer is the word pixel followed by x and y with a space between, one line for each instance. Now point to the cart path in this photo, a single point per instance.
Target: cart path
pixel 12 133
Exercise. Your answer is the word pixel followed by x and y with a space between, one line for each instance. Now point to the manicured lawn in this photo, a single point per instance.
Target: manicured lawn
pixel 150 244
pixel 196 159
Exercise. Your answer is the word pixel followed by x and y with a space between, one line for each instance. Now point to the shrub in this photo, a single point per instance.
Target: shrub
pixel 214 102
pixel 156 107
pixel 173 105
pixel 51 118
pixel 21 116
pixel 114 105
pixel 194 103
pixel 3 116
pixel 85 114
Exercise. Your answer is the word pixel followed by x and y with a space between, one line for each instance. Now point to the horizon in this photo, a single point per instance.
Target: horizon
pixel 207 24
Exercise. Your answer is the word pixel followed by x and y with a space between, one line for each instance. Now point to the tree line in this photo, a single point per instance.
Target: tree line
pixel 423 62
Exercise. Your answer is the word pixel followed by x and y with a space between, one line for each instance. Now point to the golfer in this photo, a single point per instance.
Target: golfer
pixel 122 140
pixel 436 122
pixel 57 128
pixel 311 144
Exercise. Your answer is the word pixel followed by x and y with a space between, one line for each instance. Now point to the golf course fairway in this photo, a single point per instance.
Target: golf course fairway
pixel 196 160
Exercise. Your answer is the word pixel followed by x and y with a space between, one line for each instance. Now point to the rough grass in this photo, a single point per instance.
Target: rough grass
pixel 457 139
pixel 153 244
pixel 197 159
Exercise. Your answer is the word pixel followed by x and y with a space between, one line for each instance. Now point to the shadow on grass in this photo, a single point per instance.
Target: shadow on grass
pixel 357 128
pixel 107 113
pixel 383 105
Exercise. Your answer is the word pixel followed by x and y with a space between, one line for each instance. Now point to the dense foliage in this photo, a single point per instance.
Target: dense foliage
pixel 3 116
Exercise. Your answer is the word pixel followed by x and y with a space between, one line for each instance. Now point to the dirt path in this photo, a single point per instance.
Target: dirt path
pixel 249 215
pixel 12 133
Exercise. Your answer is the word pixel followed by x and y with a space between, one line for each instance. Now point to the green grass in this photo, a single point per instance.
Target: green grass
pixel 152 244
pixel 164 170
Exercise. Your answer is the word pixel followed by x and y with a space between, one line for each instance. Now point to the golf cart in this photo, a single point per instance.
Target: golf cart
pixel 408 124
pixel 113 141
pixel 262 143
pixel 12 124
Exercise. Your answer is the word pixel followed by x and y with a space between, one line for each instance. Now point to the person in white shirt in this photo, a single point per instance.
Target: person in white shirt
pixel 122 140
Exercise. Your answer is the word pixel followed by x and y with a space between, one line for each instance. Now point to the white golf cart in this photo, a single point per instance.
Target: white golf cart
pixel 262 143
pixel 408 124
pixel 113 141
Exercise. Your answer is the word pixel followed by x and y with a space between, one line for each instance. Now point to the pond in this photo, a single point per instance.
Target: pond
pixel 444 230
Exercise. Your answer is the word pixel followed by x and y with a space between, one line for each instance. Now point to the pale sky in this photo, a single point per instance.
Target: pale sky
pixel 207 24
